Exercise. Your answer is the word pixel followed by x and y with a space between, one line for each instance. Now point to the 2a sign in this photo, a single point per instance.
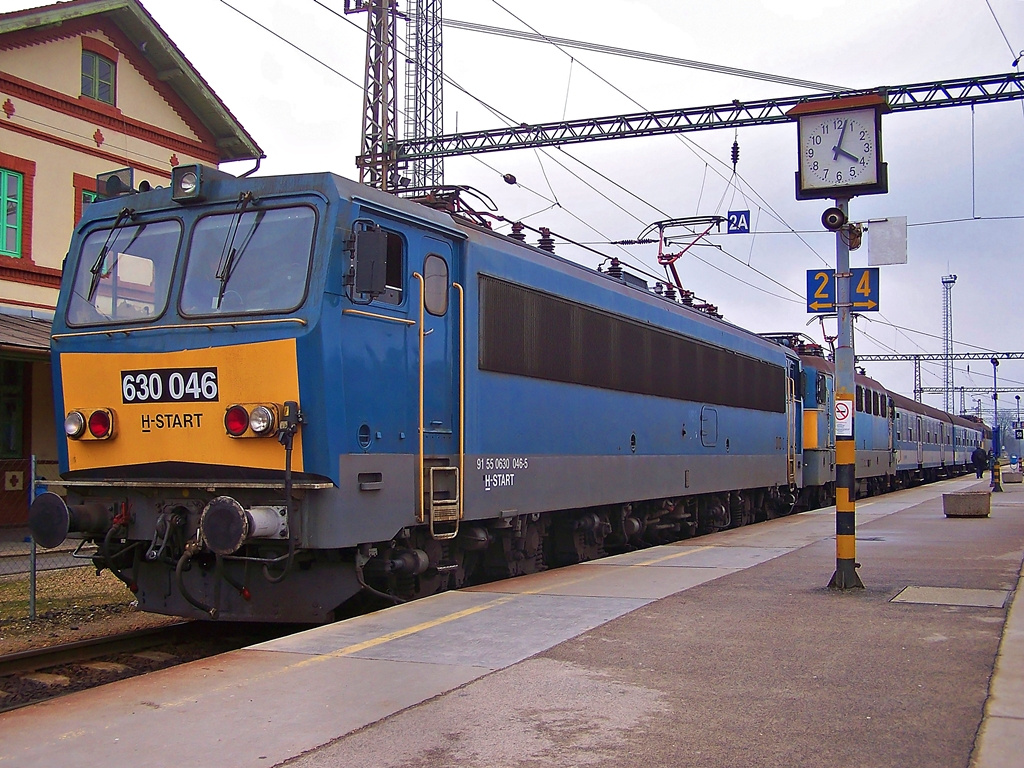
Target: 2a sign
pixel 738 223
pixel 821 290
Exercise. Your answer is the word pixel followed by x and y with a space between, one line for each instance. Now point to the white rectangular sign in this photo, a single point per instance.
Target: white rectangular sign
pixel 844 418
pixel 887 241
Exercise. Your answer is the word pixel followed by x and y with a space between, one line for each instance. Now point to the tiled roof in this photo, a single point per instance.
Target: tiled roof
pixel 24 334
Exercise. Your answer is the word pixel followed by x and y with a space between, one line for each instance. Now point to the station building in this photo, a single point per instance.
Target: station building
pixel 87 87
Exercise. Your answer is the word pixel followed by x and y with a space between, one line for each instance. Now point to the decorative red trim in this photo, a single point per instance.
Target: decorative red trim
pixel 89 104
pixel 27 169
pixel 106 116
pixel 82 183
pixel 81 28
pixel 20 303
pixel 119 160
pixel 13 271
pixel 9 109
pixel 105 50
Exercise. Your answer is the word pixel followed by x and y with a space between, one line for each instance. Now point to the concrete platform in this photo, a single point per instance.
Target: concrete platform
pixel 725 650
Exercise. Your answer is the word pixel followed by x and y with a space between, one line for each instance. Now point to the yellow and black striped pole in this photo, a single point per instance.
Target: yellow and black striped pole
pixel 845 576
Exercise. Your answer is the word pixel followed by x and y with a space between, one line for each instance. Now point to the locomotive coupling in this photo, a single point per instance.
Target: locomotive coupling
pixel 226 525
pixel 51 519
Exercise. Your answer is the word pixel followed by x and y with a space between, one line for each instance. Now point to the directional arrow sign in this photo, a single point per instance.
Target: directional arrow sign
pixel 821 290
pixel 864 289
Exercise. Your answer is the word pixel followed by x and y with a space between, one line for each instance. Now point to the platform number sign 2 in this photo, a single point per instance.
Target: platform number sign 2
pixel 739 223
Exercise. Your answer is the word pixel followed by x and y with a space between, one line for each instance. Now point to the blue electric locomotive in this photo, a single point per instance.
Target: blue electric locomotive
pixel 281 392
pixel 899 442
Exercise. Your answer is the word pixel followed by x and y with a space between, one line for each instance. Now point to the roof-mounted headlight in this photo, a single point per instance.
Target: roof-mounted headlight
pixel 187 184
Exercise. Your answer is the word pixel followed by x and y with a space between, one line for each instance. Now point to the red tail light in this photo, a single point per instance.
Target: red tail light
pixel 236 420
pixel 100 424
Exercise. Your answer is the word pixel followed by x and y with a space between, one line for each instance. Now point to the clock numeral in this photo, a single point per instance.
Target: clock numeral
pixel 867 147
pixel 839 176
pixel 815 139
pixel 814 165
pixel 853 171
pixel 810 152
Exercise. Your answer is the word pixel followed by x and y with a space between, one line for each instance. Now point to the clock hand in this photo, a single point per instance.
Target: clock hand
pixel 840 151
pixel 836 149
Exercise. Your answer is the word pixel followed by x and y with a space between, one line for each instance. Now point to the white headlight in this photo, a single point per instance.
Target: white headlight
pixel 261 420
pixel 74 424
pixel 187 182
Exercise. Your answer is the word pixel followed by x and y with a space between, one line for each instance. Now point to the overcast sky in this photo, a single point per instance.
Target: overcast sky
pixel 955 174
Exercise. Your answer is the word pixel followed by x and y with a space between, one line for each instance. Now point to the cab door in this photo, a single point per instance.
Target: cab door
pixel 439 352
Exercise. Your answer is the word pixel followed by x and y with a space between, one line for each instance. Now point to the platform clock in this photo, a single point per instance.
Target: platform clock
pixel 840 154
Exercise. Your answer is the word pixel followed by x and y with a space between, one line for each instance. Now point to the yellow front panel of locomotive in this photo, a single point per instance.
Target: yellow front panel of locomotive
pixel 193 431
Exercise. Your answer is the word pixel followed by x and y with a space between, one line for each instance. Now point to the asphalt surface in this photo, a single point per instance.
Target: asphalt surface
pixel 763 667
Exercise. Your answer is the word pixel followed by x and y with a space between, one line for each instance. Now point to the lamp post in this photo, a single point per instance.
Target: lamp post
pixel 996 486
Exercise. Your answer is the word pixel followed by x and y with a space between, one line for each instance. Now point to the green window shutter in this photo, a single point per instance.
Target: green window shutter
pixel 12 201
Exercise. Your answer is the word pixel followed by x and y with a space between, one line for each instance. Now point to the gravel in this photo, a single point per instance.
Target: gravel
pixel 71 604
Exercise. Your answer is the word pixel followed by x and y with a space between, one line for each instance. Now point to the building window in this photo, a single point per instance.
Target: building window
pixel 85 193
pixel 12 414
pixel 12 198
pixel 98 77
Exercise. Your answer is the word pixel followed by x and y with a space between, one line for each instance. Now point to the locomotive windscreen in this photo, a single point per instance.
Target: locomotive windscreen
pixel 529 333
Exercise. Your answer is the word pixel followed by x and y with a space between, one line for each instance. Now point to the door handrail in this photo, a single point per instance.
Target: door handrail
pixel 421 463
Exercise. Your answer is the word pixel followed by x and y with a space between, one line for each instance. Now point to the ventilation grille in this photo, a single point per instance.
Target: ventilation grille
pixel 529 333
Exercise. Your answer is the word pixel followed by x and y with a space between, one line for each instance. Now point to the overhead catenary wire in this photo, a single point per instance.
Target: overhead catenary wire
pixel 701 149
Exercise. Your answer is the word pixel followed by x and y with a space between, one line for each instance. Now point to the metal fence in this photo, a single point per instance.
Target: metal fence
pixel 36 581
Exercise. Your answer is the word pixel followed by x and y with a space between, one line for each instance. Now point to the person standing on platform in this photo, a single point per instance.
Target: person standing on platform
pixel 980 460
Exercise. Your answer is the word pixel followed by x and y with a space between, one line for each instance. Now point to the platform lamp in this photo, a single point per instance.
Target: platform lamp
pixel 996 485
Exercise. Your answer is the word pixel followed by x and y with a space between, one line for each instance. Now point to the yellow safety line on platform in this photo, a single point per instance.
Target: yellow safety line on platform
pixel 686 551
pixel 396 635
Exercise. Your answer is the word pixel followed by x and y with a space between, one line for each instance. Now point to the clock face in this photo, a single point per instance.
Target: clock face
pixel 838 150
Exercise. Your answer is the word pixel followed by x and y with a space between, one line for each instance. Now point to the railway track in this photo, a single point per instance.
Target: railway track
pixel 31 677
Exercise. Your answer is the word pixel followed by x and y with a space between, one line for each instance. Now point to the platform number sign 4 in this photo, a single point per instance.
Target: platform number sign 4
pixel 739 223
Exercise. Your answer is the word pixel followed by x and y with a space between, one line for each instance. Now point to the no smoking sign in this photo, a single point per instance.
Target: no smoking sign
pixel 844 418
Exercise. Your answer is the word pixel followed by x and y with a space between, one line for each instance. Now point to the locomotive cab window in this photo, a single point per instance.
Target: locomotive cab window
pixel 394 270
pixel 435 284
pixel 124 272
pixel 251 262
pixel 860 399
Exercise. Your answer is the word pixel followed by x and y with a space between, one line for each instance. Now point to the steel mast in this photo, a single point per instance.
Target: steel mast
pixel 947 341
pixel 377 159
pixel 424 75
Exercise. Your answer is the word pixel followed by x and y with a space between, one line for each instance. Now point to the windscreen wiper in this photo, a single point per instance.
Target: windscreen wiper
pixel 232 256
pixel 96 270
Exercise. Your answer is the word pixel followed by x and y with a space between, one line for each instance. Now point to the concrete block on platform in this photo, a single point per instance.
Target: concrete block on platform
pixel 1012 477
pixel 967 504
